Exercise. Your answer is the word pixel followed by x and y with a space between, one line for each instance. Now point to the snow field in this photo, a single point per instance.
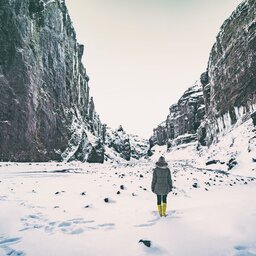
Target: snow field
pixel 59 209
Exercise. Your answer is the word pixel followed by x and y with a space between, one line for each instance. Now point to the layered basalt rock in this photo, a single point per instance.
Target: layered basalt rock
pixel 44 86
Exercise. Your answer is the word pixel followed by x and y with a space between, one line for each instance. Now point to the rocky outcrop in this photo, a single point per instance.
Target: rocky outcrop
pixel 46 112
pixel 119 141
pixel 229 84
pixel 139 146
pixel 127 145
pixel 183 120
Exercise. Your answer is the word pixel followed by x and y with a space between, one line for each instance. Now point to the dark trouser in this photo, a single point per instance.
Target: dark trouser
pixel 161 199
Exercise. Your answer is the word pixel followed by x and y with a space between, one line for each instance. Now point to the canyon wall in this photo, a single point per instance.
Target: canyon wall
pixel 183 120
pixel 229 84
pixel 226 95
pixel 46 111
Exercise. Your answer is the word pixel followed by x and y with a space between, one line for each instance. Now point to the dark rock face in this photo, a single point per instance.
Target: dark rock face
pixel 182 122
pixel 229 85
pixel 44 86
pixel 159 135
pixel 127 145
pixel 253 116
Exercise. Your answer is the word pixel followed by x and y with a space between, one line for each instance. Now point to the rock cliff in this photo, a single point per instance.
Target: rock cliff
pixel 128 146
pixel 183 120
pixel 228 97
pixel 46 112
pixel 229 84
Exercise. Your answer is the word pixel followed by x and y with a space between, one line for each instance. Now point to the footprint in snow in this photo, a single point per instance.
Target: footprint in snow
pixel 81 221
pixel 6 242
pixel 12 252
pixel 242 250
pixel 170 214
pixel 145 224
pixel 107 225
pixel 33 221
pixel 64 224
pixel 76 231
pixel 3 198
pixel 71 227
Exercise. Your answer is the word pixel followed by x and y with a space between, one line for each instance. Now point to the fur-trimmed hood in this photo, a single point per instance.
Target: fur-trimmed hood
pixel 161 163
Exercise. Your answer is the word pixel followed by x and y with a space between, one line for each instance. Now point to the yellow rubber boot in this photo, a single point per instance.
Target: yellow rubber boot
pixel 164 209
pixel 159 207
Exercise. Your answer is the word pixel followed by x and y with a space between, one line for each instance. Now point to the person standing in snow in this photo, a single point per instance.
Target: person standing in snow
pixel 161 184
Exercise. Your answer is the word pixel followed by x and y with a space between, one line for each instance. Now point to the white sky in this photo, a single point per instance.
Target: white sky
pixel 141 55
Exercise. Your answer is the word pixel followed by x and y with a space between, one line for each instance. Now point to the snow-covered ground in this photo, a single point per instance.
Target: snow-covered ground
pixel 93 209
pixel 59 209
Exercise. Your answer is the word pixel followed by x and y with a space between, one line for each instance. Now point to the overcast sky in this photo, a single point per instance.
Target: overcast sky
pixel 141 55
